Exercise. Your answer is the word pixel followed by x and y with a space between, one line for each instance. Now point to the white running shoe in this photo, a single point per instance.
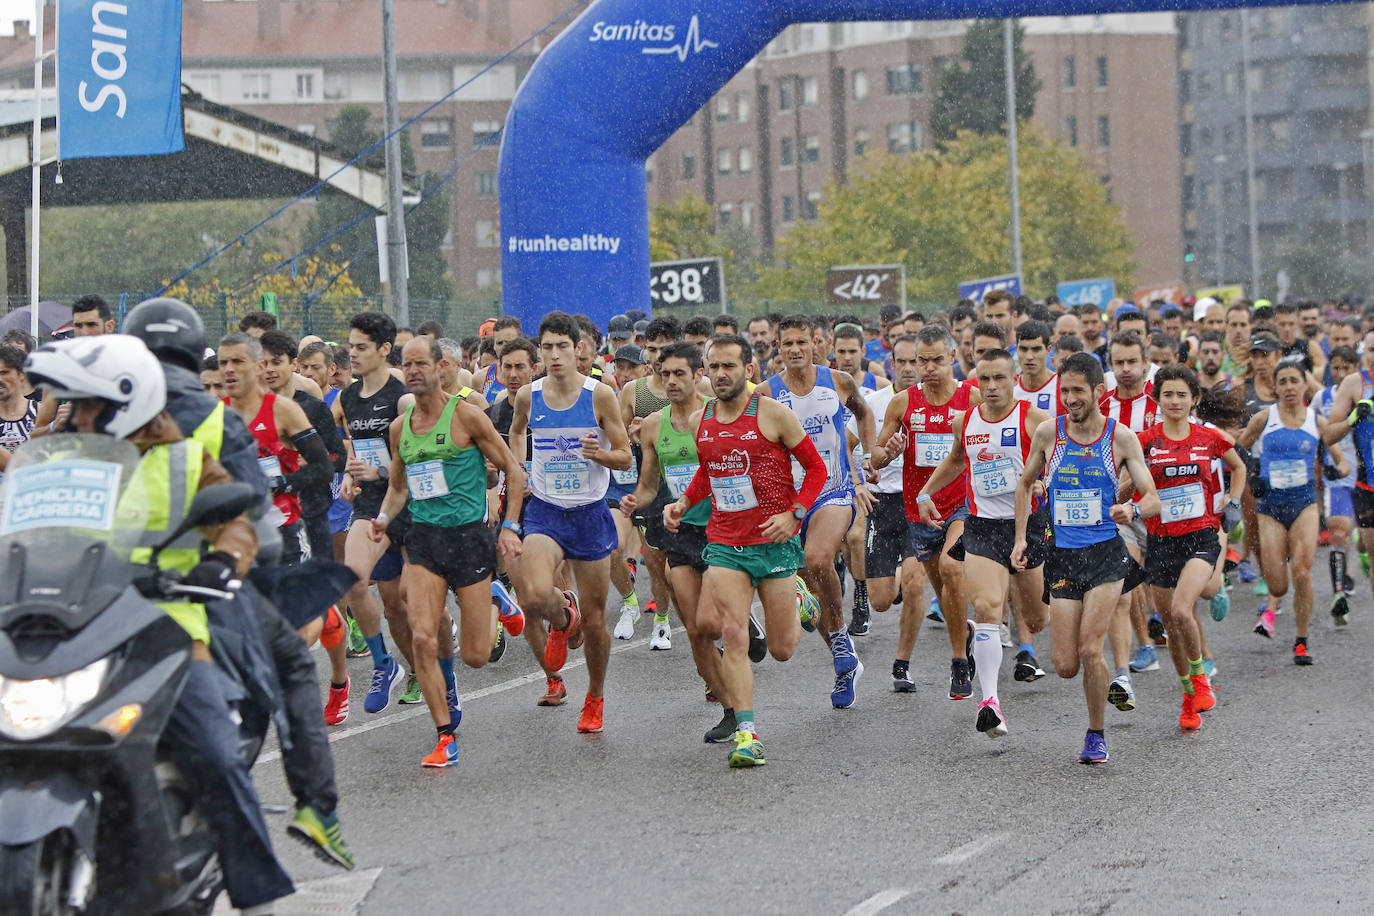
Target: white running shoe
pixel 625 628
pixel 662 638
pixel 1004 632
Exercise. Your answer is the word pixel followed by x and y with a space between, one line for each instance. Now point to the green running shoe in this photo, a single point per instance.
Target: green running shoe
pixel 748 751
pixel 498 648
pixel 411 694
pixel 1364 564
pixel 357 646
pixel 808 608
pixel 323 835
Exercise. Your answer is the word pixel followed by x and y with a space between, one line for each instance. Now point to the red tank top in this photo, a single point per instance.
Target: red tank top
pixel 751 477
pixel 930 431
pixel 273 454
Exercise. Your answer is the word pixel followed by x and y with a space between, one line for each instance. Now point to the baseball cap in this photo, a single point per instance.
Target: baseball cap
pixel 1264 344
pixel 631 354
pixel 641 326
pixel 620 326
pixel 1201 306
pixel 487 328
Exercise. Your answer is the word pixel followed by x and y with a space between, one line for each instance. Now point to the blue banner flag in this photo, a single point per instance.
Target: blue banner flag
pixel 974 289
pixel 1094 292
pixel 119 78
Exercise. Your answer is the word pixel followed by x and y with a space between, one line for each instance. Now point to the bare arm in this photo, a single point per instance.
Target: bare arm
pixel 477 425
pixel 519 425
pixel 886 451
pixel 1254 429
pixel 396 489
pixel 648 469
pixel 1347 396
pixel 618 457
pixel 1035 466
pixel 1127 445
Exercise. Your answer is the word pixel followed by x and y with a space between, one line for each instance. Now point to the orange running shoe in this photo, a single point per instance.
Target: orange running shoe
pixel 590 721
pixel 575 621
pixel 556 649
pixel 556 694
pixel 1300 656
pixel 1188 719
pixel 1204 698
pixel 445 753
pixel 333 632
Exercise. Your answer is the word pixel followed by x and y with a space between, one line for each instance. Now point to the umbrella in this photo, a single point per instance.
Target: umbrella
pixel 51 316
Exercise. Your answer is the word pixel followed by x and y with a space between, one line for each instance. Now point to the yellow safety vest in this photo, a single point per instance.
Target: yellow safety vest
pixel 210 432
pixel 162 487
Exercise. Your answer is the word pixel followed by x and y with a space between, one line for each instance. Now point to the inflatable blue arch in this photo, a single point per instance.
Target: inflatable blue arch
pixel 613 87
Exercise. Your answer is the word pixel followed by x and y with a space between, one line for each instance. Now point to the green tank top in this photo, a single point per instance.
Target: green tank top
pixel 677 464
pixel 646 402
pixel 448 485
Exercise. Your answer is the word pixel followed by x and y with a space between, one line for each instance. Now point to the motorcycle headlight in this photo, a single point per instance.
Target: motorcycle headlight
pixel 35 709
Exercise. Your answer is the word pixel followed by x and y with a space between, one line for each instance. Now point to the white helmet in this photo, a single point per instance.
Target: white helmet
pixel 115 368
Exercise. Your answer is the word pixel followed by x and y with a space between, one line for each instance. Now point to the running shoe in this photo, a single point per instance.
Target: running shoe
pixel 843 655
pixel 662 640
pixel 1364 564
pixel 1188 718
pixel 445 753
pixel 1203 696
pixel 410 694
pixel 1262 588
pixel 842 695
pixel 1004 632
pixel 748 751
pixel 935 613
pixel 336 707
pixel 625 626
pixel 322 833
pixel 589 723
pixel 1027 668
pixel 498 648
pixel 1155 627
pixel 555 693
pixel 1121 694
pixel 1246 571
pixel 507 610
pixel 556 649
pixel 1144 658
pixel 859 620
pixel 333 632
pixel 455 705
pixel 758 643
pixel 1220 605
pixel 1209 668
pixel 968 652
pixel 901 679
pixel 1300 656
pixel 1265 625
pixel 990 719
pixel 385 680
pixel 1324 538
pixel 808 608
pixel 960 681
pixel 575 630
pixel 1094 749
pixel 723 731
pixel 357 645
pixel 711 696
pixel 1340 608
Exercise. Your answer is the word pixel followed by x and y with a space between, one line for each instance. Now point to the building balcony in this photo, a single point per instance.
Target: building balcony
pixel 1328 154
pixel 1270 48
pixel 1271 103
pixel 1334 43
pixel 1338 98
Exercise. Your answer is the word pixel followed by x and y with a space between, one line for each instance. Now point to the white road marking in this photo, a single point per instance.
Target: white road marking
pixel 340 895
pixel 970 849
pixel 880 901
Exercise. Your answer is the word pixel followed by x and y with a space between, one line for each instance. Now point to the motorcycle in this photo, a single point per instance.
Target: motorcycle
pixel 94 817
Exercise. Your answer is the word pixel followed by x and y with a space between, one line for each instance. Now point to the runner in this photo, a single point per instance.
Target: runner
pixel 1185 540
pixel 445 444
pixel 1354 401
pixel 886 546
pixel 1338 497
pixel 818 396
pixel 571 416
pixel 504 330
pixel 1037 383
pixel 17 412
pixel 849 357
pixel 994 439
pixel 1081 456
pixel 919 426
pixel 1285 438
pixel 745 444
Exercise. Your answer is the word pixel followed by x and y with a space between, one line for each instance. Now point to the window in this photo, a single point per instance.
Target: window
pixel 305 86
pixel 746 160
pixel 789 208
pixel 436 133
pixel 207 84
pixel 786 94
pixel 808 37
pixel 1071 129
pixel 742 107
pixel 904 80
pixel 722 108
pixel 810 92
pixel 1070 73
pixel 1104 132
pixel 484 130
pixel 811 209
pixel 861 141
pixel 257 87
pixel 486 184
pixel 689 166
pixel 723 157
pixel 727 213
pixel 1101 72
pixel 486 278
pixel 746 213
pixel 787 154
pixel 337 86
pixel 813 148
pixel 860 85
pixel 485 230
pixel 903 137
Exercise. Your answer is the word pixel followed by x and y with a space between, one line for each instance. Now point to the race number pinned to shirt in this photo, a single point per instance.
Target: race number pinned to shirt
pixel 626 478
pixel 426 479
pixel 1077 508
pixel 932 448
pixel 372 451
pixel 1177 504
pixel 61 494
pixel 993 478
pixel 1288 473
pixel 567 478
pixel 679 478
pixel 271 466
pixel 734 494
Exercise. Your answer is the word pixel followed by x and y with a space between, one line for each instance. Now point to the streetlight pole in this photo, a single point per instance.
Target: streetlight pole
pixel 1340 168
pixel 1217 162
pixel 1010 59
pixel 1249 154
pixel 395 214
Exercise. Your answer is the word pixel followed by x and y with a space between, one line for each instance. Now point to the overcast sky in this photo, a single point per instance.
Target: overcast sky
pixel 11 10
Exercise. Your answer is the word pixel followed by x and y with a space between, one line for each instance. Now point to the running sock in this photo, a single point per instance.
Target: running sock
pixel 1300 641
pixel 861 593
pixel 446 666
pixel 444 729
pixel 1027 647
pixel 987 657
pixel 660 618
pixel 744 721
pixel 1097 732
pixel 1194 667
pixel 338 686
pixel 1187 683
pixel 630 600
pixel 377 647
pixel 1336 560
pixel 1122 672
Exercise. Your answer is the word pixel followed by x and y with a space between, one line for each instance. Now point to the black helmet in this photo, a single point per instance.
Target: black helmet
pixel 171 329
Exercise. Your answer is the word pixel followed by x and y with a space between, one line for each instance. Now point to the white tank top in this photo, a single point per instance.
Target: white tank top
pixel 559 475
pixel 996 455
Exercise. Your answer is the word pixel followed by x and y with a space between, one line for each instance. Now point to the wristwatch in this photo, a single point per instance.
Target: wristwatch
pixel 798 511
pixel 512 526
pixel 383 472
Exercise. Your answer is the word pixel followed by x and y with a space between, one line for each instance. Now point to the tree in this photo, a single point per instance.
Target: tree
pixel 688 228
pixel 973 95
pixel 944 214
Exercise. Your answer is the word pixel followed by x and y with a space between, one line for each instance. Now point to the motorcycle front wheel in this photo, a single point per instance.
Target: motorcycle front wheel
pixel 35 879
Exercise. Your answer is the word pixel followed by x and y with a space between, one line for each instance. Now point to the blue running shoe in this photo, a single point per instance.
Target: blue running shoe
pixel 385 680
pixel 1094 749
pixel 1262 588
pixel 1209 668
pixel 510 614
pixel 445 753
pixel 1144 658
pixel 1246 571
pixel 1220 605
pixel 842 696
pixel 455 705
pixel 935 613
pixel 842 651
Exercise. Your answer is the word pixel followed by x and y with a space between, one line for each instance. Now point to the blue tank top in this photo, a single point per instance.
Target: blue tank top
pixel 1082 483
pixel 559 475
pixel 1364 436
pixel 1286 458
pixel 822 415
pixel 490 386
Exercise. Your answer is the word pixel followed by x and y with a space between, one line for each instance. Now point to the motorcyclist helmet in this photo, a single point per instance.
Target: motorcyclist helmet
pixel 117 369
pixel 171 329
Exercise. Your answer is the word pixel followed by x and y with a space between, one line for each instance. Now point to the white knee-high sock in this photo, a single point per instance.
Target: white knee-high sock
pixel 987 655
